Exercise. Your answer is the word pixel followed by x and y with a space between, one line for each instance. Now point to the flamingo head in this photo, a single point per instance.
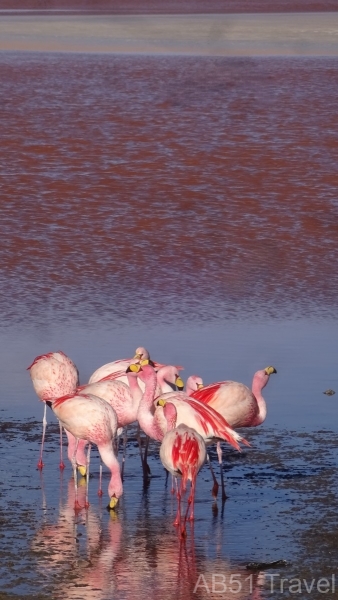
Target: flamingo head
pixel 261 378
pixel 143 368
pixel 141 353
pixel 170 413
pixel 194 383
pixel 169 374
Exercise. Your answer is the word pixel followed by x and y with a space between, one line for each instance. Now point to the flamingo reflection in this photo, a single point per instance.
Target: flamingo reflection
pixel 94 554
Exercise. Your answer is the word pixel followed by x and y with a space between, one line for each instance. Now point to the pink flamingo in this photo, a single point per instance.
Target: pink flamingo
pixel 183 454
pixel 240 406
pixel 90 418
pixel 53 375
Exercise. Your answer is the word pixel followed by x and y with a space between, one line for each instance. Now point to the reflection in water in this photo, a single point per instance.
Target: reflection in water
pixel 113 560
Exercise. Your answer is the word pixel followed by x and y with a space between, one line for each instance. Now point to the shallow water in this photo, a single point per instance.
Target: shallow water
pixel 188 205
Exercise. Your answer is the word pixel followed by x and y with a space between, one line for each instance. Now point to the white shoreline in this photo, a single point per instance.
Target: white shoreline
pixel 258 34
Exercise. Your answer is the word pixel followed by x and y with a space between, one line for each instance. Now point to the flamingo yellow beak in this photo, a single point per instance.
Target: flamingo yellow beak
pixel 133 368
pixel 199 386
pixel 161 402
pixel 270 370
pixel 113 502
pixel 82 470
pixel 180 383
pixel 144 362
pixel 138 356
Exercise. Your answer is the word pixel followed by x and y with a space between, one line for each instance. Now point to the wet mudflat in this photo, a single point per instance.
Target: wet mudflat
pixel 188 205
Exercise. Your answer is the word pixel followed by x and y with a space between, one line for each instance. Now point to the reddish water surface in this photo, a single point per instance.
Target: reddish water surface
pixel 165 187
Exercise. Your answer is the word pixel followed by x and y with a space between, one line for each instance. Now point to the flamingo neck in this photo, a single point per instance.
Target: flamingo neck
pixel 165 384
pixel 257 386
pixel 115 487
pixel 145 411
pixel 135 389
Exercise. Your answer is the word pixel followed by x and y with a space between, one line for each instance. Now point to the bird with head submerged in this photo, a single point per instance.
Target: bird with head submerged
pixel 90 418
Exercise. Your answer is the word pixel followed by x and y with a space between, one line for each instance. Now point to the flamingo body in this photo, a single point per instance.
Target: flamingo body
pixel 90 418
pixel 239 405
pixel 53 374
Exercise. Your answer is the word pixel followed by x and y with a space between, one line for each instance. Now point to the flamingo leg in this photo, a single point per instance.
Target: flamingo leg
pixel 145 456
pixel 220 460
pixel 100 492
pixel 76 504
pixel 62 464
pixel 178 496
pixel 87 475
pixel 215 487
pixel 125 437
pixel 44 425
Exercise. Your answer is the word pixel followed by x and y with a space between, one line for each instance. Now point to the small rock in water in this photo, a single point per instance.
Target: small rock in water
pixel 255 566
pixel 329 392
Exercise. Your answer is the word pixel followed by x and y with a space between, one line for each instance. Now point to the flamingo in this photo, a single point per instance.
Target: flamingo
pixel 240 406
pixel 53 375
pixel 90 418
pixel 183 454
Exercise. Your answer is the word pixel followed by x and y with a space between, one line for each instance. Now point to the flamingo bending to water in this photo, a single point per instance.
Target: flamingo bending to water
pixel 194 383
pixel 90 418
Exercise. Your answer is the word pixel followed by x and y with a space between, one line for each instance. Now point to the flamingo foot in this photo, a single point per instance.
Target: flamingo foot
pixel 40 465
pixel 100 493
pixel 77 506
pixel 62 466
pixel 183 533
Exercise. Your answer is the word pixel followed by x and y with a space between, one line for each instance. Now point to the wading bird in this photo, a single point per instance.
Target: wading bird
pixel 183 454
pixel 240 406
pixel 53 375
pixel 90 418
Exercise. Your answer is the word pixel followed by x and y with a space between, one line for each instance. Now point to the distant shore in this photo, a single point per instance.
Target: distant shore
pixel 294 34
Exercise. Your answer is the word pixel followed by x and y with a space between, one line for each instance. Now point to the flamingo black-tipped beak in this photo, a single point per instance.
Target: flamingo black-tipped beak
pixel 270 370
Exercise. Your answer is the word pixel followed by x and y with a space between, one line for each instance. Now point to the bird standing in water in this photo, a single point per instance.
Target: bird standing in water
pixel 53 375
pixel 240 406
pixel 183 454
pixel 90 418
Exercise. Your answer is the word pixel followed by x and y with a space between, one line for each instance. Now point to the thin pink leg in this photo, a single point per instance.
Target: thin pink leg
pixel 77 506
pixel 100 492
pixel 44 425
pixel 178 496
pixel 62 464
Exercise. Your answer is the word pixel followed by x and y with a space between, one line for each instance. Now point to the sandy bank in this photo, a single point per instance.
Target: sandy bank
pixel 297 34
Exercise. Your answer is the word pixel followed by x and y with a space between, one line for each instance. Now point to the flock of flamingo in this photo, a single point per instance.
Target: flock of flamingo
pixel 140 390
